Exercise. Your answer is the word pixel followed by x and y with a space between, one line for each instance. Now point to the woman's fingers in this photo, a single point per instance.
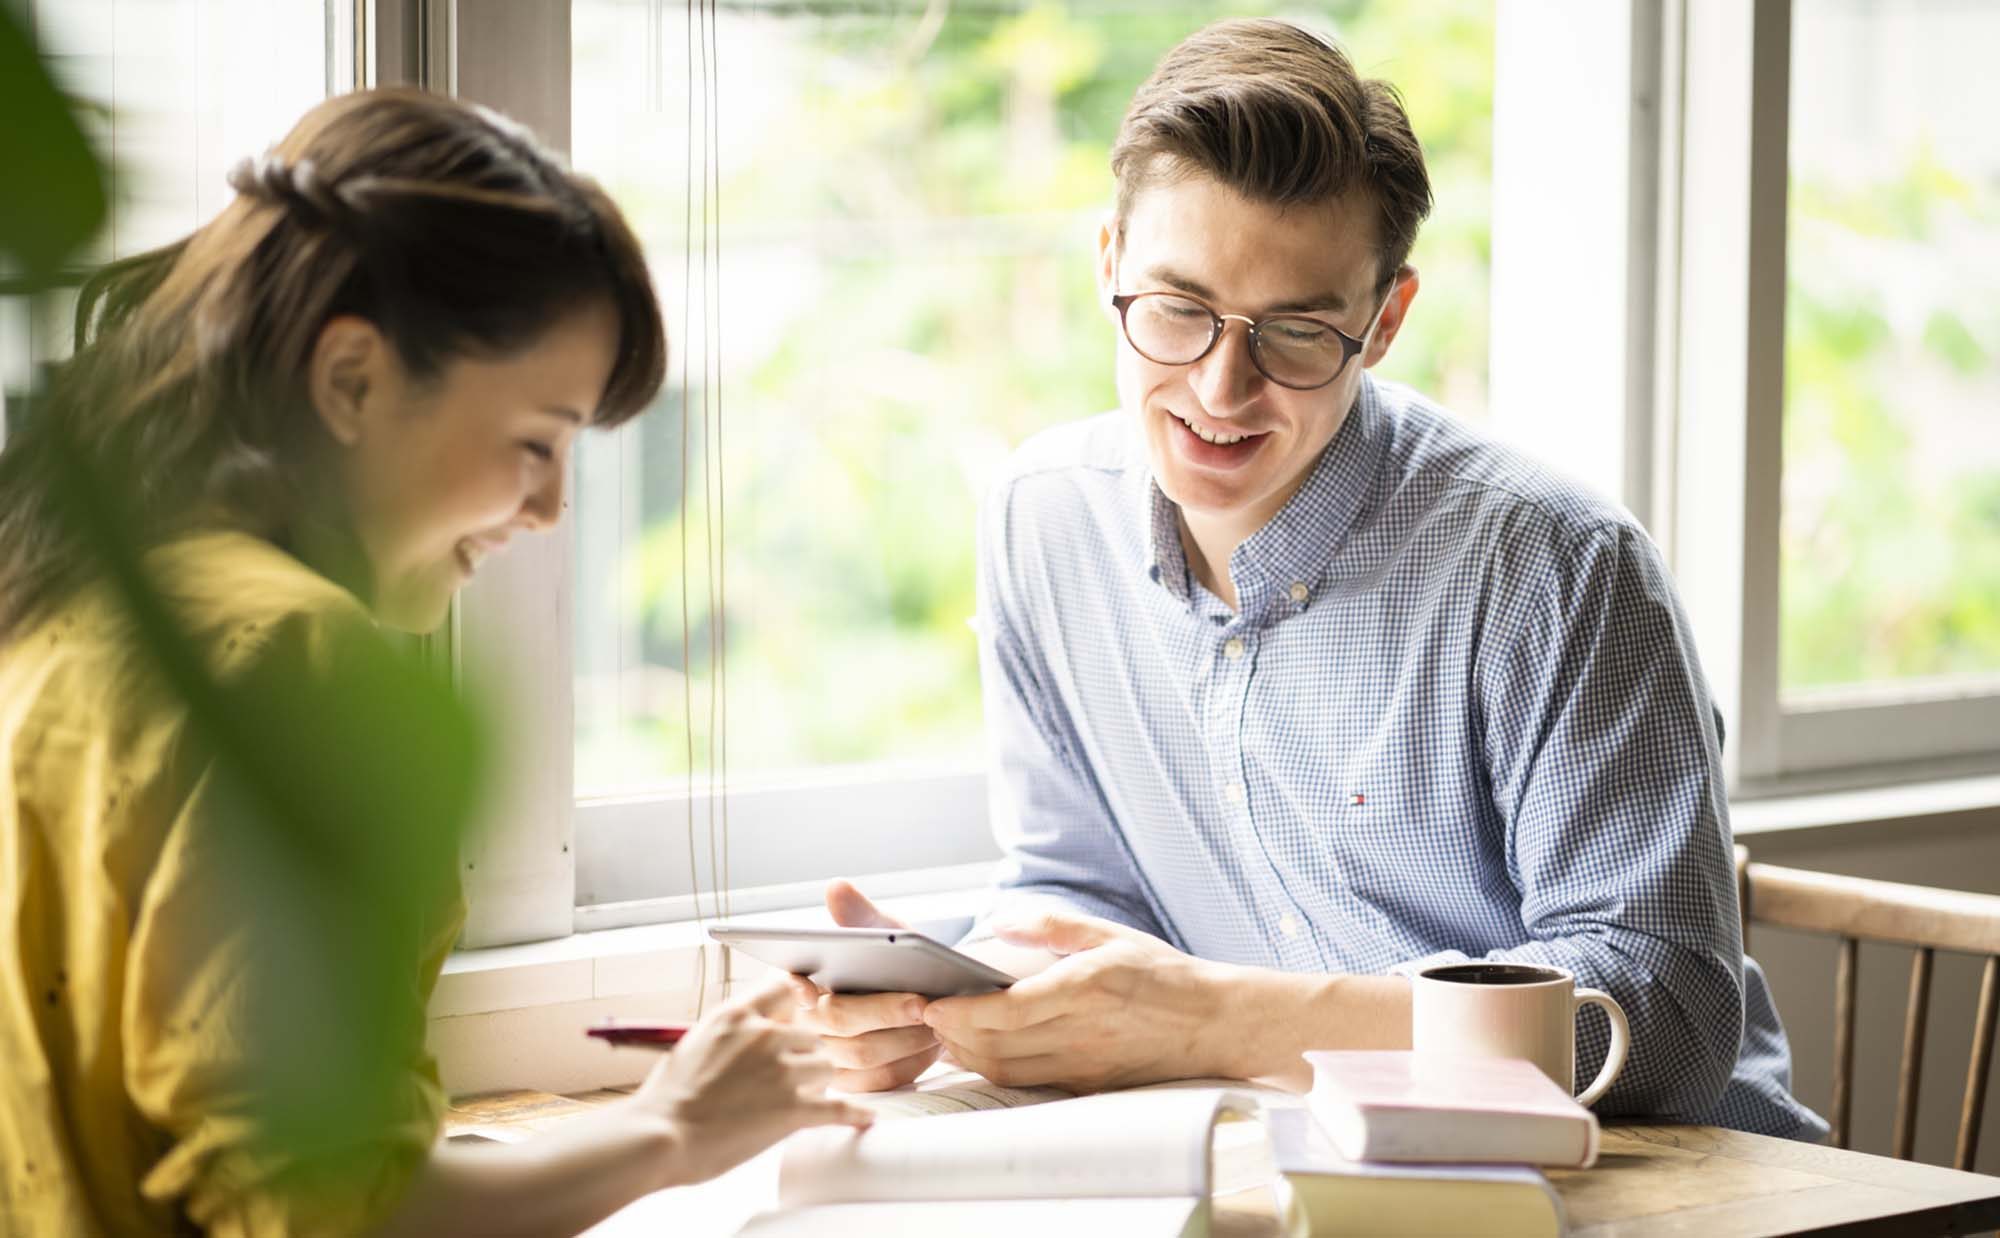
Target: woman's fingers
pixel 775 1000
pixel 808 1068
pixel 834 1111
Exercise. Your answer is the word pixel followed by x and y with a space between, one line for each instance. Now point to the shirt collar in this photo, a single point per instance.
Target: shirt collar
pixel 1292 551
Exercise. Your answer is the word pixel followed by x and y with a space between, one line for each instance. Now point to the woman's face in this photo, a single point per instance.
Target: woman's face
pixel 437 476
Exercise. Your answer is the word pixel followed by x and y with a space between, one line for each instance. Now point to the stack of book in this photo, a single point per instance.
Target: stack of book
pixel 1394 1144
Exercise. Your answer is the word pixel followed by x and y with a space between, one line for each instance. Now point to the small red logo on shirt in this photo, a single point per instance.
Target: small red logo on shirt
pixel 1357 799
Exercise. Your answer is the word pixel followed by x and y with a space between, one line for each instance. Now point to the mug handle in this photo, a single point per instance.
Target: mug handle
pixel 1621 1040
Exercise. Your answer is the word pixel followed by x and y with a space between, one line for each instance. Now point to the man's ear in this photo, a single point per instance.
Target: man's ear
pixel 348 376
pixel 1107 259
pixel 1393 313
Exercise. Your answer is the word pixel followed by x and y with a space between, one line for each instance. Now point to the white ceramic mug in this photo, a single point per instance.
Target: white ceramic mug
pixel 1513 1010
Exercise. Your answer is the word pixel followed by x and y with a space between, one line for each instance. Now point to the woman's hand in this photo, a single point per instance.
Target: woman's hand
pixel 738 1083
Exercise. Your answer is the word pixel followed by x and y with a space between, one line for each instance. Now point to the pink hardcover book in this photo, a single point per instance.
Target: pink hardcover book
pixel 1393 1106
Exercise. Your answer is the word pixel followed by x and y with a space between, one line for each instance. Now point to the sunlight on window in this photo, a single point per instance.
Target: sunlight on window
pixel 1891 519
pixel 907 208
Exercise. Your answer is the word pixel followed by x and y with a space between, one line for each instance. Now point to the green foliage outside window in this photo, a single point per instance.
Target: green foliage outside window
pixel 1890 567
pixel 913 229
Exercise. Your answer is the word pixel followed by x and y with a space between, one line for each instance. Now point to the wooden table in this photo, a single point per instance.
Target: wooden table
pixel 1650 1179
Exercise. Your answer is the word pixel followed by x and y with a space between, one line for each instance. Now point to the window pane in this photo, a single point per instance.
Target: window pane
pixel 1891 518
pixel 909 198
pixel 173 92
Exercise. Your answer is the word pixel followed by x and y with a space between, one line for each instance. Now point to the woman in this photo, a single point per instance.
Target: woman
pixel 322 410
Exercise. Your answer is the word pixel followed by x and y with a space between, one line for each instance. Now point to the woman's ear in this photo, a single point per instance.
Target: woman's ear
pixel 349 376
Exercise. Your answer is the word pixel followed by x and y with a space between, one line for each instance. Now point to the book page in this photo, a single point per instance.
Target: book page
pixel 1118 1145
pixel 943 1090
pixel 991 1218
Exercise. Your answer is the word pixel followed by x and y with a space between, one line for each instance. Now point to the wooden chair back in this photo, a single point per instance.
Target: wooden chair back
pixel 1855 910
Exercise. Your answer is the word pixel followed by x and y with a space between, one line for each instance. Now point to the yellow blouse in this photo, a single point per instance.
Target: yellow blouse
pixel 128 1088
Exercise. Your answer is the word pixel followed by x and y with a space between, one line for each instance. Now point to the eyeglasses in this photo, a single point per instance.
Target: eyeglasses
pixel 1292 350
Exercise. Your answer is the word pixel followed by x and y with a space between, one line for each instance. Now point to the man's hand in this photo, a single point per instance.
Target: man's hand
pixel 877 1041
pixel 1119 1008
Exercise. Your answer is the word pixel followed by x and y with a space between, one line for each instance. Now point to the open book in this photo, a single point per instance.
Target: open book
pixel 944 1090
pixel 1133 1163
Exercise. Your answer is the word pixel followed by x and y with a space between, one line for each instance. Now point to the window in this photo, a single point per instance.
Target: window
pixel 873 229
pixel 1837 454
pixel 176 91
pixel 872 222
pixel 1891 526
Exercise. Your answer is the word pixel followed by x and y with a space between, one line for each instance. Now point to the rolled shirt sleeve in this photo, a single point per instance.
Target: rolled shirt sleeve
pixel 273 1017
pixel 1605 769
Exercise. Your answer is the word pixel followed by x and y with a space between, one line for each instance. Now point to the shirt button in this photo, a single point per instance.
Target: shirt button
pixel 1288 925
pixel 1232 648
pixel 1299 591
pixel 1233 793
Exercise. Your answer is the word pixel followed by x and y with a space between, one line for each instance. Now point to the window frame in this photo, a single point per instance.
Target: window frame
pixel 1730 317
pixel 1698 382
pixel 927 828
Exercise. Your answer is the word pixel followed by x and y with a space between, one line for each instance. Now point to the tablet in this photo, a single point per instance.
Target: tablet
pixel 865 960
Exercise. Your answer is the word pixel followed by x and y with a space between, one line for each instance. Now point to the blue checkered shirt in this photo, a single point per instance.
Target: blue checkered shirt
pixel 1457 715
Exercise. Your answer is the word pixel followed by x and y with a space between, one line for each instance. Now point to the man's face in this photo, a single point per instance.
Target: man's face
pixel 1199 237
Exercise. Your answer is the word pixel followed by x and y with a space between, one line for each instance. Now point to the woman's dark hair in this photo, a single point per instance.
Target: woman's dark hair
pixel 444 224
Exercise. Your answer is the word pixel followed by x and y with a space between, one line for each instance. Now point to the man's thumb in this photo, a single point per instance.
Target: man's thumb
pixel 1058 932
pixel 850 908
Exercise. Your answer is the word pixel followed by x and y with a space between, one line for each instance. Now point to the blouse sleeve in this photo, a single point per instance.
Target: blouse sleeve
pixel 280 965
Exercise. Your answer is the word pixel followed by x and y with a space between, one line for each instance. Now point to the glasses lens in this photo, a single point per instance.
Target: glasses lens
pixel 1169 329
pixel 1299 352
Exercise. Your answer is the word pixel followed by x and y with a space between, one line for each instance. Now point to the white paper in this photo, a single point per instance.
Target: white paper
pixel 1120 1145
pixel 941 1092
pixel 1008 1218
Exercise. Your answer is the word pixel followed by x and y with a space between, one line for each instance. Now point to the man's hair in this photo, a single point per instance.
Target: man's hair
pixel 1277 114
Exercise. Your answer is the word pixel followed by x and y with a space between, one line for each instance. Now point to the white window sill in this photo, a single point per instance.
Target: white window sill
pixel 620 962
pixel 1935 803
pixel 513 1016
pixel 641 959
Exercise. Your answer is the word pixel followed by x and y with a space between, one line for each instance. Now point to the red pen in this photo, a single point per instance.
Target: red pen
pixel 643 1035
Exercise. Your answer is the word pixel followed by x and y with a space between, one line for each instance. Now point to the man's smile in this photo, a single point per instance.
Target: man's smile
pixel 1206 447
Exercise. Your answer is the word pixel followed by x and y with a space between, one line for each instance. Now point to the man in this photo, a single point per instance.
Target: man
pixel 1295 685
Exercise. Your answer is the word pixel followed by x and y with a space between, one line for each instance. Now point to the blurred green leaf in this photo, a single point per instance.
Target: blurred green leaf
pixel 338 792
pixel 58 198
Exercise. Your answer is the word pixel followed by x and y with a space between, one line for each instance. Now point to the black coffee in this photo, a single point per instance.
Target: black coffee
pixel 1493 973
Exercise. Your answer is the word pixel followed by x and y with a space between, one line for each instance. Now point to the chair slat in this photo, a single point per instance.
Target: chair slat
pixel 1853 910
pixel 1876 910
pixel 1982 1062
pixel 1843 1038
pixel 1911 1076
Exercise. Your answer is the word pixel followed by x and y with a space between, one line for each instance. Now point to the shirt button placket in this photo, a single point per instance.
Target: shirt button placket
pixel 1229 725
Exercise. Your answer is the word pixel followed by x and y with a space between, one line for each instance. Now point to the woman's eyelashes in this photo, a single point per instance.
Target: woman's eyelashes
pixel 541 451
